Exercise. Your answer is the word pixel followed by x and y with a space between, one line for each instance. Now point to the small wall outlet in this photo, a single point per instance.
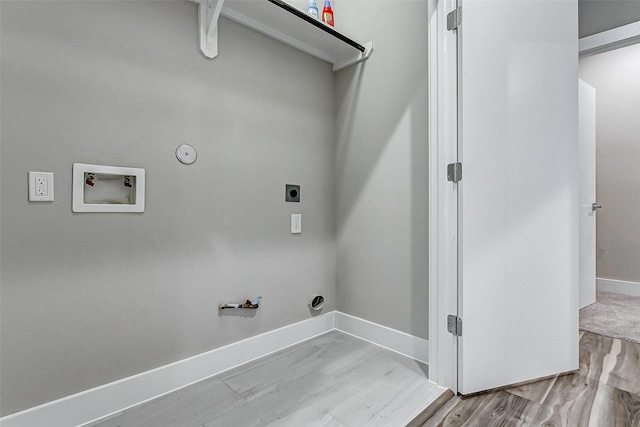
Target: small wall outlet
pixel 291 193
pixel 296 223
pixel 41 186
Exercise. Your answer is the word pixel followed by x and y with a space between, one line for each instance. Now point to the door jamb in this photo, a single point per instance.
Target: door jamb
pixel 443 351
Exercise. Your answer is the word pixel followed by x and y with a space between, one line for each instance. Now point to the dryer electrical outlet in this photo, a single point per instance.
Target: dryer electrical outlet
pixel 291 193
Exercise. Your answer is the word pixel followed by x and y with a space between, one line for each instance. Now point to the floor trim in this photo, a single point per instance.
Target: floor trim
pixel 618 286
pixel 99 402
pixel 605 41
pixel 109 399
pixel 391 339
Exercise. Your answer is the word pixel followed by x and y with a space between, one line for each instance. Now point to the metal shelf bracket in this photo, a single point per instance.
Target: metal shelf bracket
pixel 208 14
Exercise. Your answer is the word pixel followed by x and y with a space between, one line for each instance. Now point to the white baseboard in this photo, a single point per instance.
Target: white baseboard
pixel 392 339
pixel 605 41
pixel 618 286
pixel 113 398
pixel 99 402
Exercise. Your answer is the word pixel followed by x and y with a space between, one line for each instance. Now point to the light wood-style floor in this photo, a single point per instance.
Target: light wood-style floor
pixel 604 392
pixel 332 380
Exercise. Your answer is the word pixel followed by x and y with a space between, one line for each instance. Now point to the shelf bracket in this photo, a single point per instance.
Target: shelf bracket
pixel 208 14
pixel 356 58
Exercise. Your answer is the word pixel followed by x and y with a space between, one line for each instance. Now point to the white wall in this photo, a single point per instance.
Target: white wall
pixel 615 74
pixel 91 298
pixel 381 173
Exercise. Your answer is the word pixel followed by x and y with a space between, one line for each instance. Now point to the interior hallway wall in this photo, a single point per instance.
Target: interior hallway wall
pixel 615 74
pixel 91 298
pixel 381 175
pixel 596 16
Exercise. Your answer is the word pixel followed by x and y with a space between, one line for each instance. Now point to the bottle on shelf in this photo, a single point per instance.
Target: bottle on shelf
pixel 312 9
pixel 327 13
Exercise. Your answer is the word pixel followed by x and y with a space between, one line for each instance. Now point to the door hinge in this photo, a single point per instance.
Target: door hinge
pixel 454 19
pixel 454 325
pixel 454 172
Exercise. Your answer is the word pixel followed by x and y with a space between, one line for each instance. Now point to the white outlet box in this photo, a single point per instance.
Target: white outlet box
pixel 41 186
pixel 296 223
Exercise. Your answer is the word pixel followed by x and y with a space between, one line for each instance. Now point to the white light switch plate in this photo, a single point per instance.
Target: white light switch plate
pixel 41 186
pixel 296 223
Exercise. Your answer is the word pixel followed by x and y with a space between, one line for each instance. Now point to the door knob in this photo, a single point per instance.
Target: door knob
pixel 595 206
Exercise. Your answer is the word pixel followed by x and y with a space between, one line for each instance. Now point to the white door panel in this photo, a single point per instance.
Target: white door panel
pixel 519 193
pixel 587 132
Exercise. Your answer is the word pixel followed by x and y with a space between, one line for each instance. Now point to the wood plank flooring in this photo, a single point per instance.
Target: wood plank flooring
pixel 332 380
pixel 604 392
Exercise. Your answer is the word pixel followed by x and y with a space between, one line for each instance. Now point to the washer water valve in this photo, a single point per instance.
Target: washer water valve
pixel 252 305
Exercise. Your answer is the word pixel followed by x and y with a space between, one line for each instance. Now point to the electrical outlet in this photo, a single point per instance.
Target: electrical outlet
pixel 296 223
pixel 40 186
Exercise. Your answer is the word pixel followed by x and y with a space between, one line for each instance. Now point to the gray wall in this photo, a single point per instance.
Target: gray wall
pixel 382 168
pixel 596 16
pixel 91 298
pixel 615 76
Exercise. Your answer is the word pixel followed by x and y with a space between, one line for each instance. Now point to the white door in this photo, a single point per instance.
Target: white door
pixel 587 132
pixel 518 217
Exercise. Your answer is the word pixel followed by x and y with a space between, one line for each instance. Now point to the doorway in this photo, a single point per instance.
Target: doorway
pixel 610 62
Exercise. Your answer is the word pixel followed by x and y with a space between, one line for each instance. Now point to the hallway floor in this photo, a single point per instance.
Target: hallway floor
pixel 604 392
pixel 332 380
pixel 612 315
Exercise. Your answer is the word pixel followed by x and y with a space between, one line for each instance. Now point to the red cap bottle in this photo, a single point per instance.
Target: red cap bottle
pixel 327 13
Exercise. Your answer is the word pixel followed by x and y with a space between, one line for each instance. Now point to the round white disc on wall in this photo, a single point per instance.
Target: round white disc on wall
pixel 186 154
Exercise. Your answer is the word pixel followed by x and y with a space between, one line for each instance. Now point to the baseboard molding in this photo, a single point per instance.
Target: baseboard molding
pixel 99 402
pixel 392 339
pixel 605 41
pixel 113 398
pixel 618 286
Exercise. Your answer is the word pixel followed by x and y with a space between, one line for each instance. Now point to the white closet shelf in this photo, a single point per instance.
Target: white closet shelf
pixel 283 22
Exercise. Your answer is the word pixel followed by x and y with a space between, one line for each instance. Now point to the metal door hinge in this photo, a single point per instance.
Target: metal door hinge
pixel 454 19
pixel 454 172
pixel 454 325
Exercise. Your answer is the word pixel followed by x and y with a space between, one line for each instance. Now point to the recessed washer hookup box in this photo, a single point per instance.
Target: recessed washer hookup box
pixel 98 188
